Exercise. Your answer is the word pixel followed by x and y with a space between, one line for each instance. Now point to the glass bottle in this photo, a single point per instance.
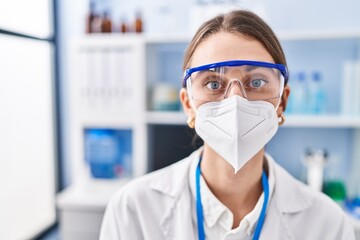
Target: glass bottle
pixel 138 22
pixel 123 25
pixel 106 25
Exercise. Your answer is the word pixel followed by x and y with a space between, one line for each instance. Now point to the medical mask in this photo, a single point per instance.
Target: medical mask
pixel 236 128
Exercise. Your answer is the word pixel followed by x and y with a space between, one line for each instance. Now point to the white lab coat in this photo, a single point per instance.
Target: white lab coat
pixel 158 206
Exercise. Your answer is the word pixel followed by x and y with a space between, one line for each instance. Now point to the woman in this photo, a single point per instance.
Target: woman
pixel 235 92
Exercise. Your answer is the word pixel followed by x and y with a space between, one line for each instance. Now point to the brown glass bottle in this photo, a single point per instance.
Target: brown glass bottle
pixel 106 25
pixel 138 22
pixel 124 25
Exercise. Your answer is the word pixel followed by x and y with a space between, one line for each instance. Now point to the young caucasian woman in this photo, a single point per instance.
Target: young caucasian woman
pixel 234 94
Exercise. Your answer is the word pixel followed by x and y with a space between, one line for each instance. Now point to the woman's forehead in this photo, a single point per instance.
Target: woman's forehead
pixel 224 46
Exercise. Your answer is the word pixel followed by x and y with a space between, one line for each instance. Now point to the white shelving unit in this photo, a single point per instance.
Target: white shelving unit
pixel 157 117
pixel 107 91
pixel 330 121
pixel 138 117
pixel 299 121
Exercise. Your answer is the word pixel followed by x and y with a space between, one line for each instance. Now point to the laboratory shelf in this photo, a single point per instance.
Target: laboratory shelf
pixel 322 121
pixel 90 194
pixel 166 39
pixel 166 117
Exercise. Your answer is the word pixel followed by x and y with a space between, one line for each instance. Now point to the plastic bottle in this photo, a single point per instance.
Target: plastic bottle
pixel 318 95
pixel 315 160
pixel 317 98
pixel 298 94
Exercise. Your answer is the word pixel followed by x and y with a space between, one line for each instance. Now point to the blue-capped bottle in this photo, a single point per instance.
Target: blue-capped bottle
pixel 317 94
pixel 298 96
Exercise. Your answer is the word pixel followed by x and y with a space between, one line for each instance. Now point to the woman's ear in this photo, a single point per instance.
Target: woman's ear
pixel 185 101
pixel 284 100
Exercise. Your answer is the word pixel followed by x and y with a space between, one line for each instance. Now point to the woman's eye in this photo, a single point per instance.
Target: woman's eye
pixel 213 85
pixel 256 83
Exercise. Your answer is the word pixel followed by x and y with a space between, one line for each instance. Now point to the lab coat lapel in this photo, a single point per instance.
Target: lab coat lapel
pixel 287 199
pixel 176 222
pixel 275 226
pixel 288 193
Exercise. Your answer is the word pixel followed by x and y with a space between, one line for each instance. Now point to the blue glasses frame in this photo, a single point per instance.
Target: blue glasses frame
pixel 233 63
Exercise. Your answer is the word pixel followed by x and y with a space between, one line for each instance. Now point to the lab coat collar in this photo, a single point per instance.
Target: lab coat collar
pixel 288 198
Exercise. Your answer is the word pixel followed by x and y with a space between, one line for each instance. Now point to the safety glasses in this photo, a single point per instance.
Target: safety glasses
pixel 256 80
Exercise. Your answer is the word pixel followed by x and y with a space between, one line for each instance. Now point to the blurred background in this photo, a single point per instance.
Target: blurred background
pixel 89 100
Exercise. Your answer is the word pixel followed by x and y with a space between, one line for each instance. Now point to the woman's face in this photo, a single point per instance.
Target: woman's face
pixel 224 46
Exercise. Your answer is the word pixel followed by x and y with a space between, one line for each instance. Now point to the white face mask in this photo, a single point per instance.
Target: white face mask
pixel 236 128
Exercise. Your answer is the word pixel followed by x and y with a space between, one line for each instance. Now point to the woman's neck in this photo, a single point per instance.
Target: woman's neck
pixel 239 192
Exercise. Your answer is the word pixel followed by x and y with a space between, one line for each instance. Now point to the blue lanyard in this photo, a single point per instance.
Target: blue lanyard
pixel 199 208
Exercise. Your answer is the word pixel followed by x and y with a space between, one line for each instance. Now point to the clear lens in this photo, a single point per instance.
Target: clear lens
pixel 255 83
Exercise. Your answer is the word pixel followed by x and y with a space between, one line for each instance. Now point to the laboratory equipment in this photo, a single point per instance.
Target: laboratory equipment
pixel 315 160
